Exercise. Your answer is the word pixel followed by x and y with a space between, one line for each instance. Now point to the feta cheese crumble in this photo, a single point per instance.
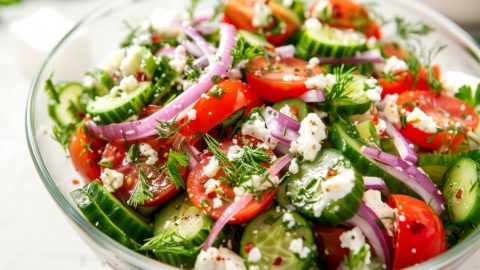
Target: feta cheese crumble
pixel 334 189
pixel 212 168
pixel 235 152
pixel 312 133
pixel 296 246
pixel 219 259
pixel 354 240
pixel 313 24
pixel 111 179
pixel 112 61
pixel 130 63
pixel 254 255
pixel 321 81
pixel 192 114
pixel 287 110
pixel 288 220
pixel 129 83
pixel 390 109
pixel 256 127
pixel 394 65
pixel 262 15
pixel 147 151
pixel 211 185
pixel 373 199
pixel 373 89
pixel 421 121
pixel 217 203
pixel 293 168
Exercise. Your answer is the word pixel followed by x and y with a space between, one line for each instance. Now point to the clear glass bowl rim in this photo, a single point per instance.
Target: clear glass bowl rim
pixel 456 33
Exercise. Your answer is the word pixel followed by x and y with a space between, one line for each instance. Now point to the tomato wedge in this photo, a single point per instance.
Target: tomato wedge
pixel 159 184
pixel 240 13
pixel 278 79
pixel 197 192
pixel 85 152
pixel 347 14
pixel 405 81
pixel 329 245
pixel 419 234
pixel 446 111
pixel 223 100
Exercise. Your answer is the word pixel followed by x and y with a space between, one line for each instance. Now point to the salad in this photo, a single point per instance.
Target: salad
pixel 275 135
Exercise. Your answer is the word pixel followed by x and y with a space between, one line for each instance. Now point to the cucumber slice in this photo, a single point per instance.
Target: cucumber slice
pixel 329 205
pixel 114 109
pixel 330 42
pixel 165 77
pixel 180 231
pixel 353 101
pixel 232 119
pixel 102 82
pixel 125 219
pixel 436 166
pixel 64 112
pixel 99 219
pixel 271 233
pixel 281 197
pixel 341 139
pixel 462 192
pixel 368 133
pixel 253 40
pixel 141 61
pixel 300 105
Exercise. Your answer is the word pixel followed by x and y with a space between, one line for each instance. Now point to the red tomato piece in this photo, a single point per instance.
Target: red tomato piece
pixel 419 233
pixel 197 194
pixel 159 184
pixel 443 109
pixel 267 77
pixel 405 82
pixel 85 152
pixel 230 96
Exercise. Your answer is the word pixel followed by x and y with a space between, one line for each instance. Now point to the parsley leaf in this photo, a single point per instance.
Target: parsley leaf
pixel 465 93
pixel 216 92
pixel 244 51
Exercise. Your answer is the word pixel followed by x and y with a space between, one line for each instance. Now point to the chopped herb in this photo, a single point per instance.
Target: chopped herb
pixel 341 88
pixel 106 164
pixel 134 153
pixel 62 134
pixel 51 90
pixel 175 160
pixel 243 51
pixel 216 79
pixel 407 29
pixel 465 93
pixel 216 92
pixel 356 260
pixel 403 121
pixel 168 128
pixel 141 192
pixel 131 36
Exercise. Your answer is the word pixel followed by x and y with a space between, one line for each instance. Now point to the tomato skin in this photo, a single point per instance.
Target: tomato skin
pixel 213 110
pixel 347 14
pixel 240 14
pixel 162 187
pixel 270 85
pixel 394 49
pixel 441 108
pixel 419 234
pixel 405 82
pixel 85 152
pixel 329 245
pixel 196 189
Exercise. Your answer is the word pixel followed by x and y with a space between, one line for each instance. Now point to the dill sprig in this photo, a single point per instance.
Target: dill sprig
pixel 170 241
pixel 407 29
pixel 141 192
pixel 420 56
pixel 167 129
pixel 356 260
pixel 341 88
pixel 171 167
pixel 62 134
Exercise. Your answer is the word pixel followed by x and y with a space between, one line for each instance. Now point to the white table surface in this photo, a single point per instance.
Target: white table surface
pixel 34 233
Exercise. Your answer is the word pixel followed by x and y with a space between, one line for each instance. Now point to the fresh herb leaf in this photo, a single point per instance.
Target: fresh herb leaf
pixel 171 167
pixel 141 192
pixel 243 51
pixel 216 92
pixel 406 29
pixel 51 90
pixel 134 153
pixel 465 93
pixel 131 35
pixel 403 121
pixel 62 134
pixel 106 164
pixel 341 88
pixel 168 128
pixel 216 79
pixel 356 261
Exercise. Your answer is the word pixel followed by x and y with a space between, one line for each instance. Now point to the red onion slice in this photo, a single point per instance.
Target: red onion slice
pixel 276 168
pixel 401 144
pixel 375 183
pixel 146 127
pixel 229 213
pixel 366 220
pixel 313 96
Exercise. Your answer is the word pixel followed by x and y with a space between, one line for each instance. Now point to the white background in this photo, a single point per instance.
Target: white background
pixel 34 233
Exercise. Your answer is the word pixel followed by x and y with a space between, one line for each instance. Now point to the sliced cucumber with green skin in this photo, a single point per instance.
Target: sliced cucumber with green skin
pixel 102 82
pixel 165 77
pixel 272 235
pixel 180 231
pixel 436 166
pixel 141 62
pixel 99 219
pixel 114 109
pixel 125 219
pixel 462 192
pixel 343 140
pixel 368 133
pixel 281 197
pixel 253 40
pixel 65 111
pixel 302 107
pixel 309 193
pixel 330 42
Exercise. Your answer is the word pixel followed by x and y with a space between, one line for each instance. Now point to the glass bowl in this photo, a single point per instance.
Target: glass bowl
pixel 102 30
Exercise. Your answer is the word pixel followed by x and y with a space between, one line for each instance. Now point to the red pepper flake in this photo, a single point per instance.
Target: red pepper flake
pixel 277 261
pixel 75 182
pixel 459 194
pixel 141 77
pixel 294 110
pixel 212 195
pixel 249 247
pixel 155 38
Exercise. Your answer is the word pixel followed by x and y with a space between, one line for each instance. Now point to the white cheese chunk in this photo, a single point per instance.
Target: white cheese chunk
pixel 112 61
pixel 256 127
pixel 212 168
pixel 262 14
pixel 354 240
pixel 390 109
pixel 296 246
pixel 254 255
pixel 111 179
pixel 321 81
pixel 129 83
pixel 287 110
pixel 312 133
pixel 373 199
pixel 147 151
pixel 334 189
pixel 219 259
pixel 192 114
pixel 394 65
pixel 420 120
